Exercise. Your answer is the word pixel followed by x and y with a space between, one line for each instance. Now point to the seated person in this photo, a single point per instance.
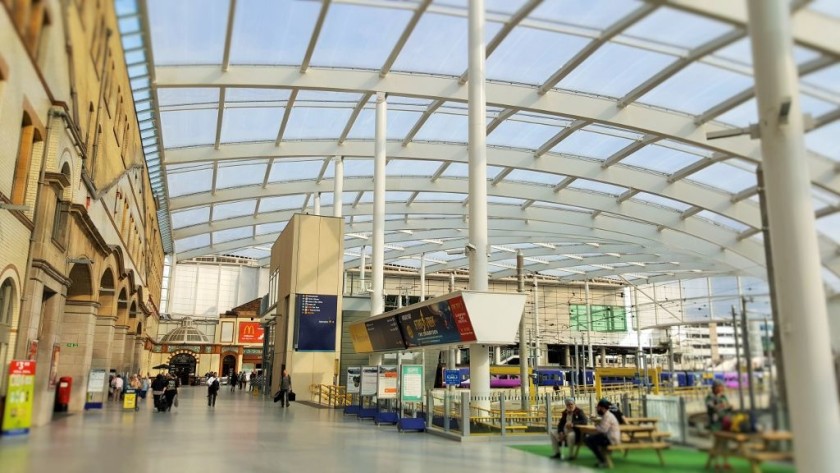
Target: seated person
pixel 608 433
pixel 566 429
pixel 717 407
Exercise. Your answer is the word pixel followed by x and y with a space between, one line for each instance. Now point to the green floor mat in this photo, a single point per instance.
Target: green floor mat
pixel 677 460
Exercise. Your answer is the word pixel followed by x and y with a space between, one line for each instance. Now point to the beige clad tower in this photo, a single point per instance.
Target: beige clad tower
pixel 308 258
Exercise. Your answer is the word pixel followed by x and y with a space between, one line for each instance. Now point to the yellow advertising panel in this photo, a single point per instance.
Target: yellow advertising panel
pixel 130 399
pixel 17 417
pixel 360 338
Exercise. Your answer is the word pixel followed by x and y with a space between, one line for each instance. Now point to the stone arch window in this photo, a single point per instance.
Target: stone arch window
pixel 106 293
pixel 7 298
pixel 30 137
pixel 62 211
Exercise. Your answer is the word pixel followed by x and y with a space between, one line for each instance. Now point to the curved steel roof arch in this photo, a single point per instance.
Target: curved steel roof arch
pixel 664 222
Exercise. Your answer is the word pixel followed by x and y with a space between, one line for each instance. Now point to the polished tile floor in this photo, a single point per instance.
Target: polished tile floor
pixel 247 434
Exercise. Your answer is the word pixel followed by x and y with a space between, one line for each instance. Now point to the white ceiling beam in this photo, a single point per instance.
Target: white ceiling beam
pixel 220 117
pixel 560 136
pixel 744 194
pixel 626 195
pixel 316 32
pixel 691 211
pixel 267 172
pixel 323 170
pixel 409 28
pixel 355 115
pixel 357 199
pixel 678 65
pixel 635 117
pixel 630 149
pixel 694 167
pixel 501 176
pixel 501 117
pixel 564 183
pixel 290 105
pixel 228 35
pixel 422 120
pixel 439 172
pixel 629 20
pixel 827 118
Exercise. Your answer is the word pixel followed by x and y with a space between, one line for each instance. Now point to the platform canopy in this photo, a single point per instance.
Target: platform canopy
pixel 599 123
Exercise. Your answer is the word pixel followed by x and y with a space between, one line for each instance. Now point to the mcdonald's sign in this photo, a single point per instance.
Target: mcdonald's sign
pixel 250 332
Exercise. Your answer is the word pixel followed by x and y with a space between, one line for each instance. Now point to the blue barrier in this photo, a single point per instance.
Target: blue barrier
pixel 410 423
pixel 386 417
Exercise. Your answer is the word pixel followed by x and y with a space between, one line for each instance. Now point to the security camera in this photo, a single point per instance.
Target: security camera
pixel 470 247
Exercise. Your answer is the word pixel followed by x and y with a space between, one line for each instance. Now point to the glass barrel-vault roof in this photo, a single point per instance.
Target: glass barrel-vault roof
pixel 597 122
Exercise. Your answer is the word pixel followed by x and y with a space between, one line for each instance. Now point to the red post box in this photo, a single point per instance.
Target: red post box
pixel 62 393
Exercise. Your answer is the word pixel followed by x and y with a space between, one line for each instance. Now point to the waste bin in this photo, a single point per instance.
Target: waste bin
pixel 62 394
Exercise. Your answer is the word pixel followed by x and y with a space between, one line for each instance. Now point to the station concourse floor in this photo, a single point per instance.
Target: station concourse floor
pixel 248 434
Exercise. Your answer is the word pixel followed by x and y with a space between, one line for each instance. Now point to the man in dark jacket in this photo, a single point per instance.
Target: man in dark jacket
pixel 566 429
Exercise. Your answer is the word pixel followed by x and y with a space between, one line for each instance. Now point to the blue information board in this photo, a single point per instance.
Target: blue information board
pixel 452 377
pixel 315 318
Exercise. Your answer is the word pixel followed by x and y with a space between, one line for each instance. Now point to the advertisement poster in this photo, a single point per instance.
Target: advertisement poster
pixel 412 383
pixel 53 379
pixel 130 399
pixel 384 334
pixel 360 339
pixel 315 319
pixel 250 332
pixel 369 377
pixel 387 386
pixel 442 322
pixel 354 380
pixel 17 416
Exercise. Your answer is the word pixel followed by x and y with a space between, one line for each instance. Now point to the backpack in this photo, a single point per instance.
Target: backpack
pixel 619 416
pixel 215 385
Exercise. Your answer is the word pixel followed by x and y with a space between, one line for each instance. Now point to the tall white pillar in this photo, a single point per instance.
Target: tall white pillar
pixel 804 331
pixel 422 276
pixel 479 354
pixel 377 297
pixel 589 323
pixel 316 207
pixel 537 339
pixel 362 267
pixel 338 186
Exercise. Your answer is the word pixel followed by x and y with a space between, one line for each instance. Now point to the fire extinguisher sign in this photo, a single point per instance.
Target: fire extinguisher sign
pixel 17 416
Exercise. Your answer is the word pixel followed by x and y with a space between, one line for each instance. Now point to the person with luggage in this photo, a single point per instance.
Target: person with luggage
pixel 285 388
pixel 158 391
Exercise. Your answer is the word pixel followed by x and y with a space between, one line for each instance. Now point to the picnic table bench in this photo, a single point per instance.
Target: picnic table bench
pixel 634 437
pixel 753 447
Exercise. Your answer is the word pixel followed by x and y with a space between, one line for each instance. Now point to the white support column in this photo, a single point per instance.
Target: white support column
pixel 589 323
pixel 479 354
pixel 338 186
pixel 316 206
pixel 422 276
pixel 804 331
pixel 377 301
pixel 537 338
pixel 362 266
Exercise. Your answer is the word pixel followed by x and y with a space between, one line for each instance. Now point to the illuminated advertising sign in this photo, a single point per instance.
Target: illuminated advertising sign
pixel 441 322
pixel 251 332
pixel 384 334
pixel 17 416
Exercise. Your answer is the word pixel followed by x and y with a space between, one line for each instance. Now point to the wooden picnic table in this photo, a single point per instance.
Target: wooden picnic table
pixel 752 446
pixel 641 420
pixel 638 437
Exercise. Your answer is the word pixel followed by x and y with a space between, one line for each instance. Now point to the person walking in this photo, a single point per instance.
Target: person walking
pixel 145 384
pixel 117 387
pixel 233 381
pixel 243 378
pixel 285 388
pixel 213 386
pixel 609 433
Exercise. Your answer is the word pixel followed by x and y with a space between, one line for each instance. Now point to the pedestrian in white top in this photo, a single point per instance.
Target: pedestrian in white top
pixel 608 434
pixel 117 386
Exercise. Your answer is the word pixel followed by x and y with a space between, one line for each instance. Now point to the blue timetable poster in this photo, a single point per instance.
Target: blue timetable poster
pixel 315 318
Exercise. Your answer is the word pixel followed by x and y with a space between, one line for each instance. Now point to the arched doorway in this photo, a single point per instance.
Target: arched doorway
pixel 228 365
pixel 182 365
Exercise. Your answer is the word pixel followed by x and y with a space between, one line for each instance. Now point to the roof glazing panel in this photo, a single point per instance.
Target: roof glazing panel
pixel 232 234
pixel 267 228
pixel 697 88
pixel 189 182
pixel 530 56
pixel 525 175
pixel 189 31
pixel 315 123
pixel 614 70
pixel 519 134
pixel 740 52
pixel 824 140
pixel 596 14
pixel 399 124
pixel 660 159
pixel 189 127
pixel 251 124
pixel 724 176
pixel 238 174
pixel 283 202
pixel 186 218
pixel 411 167
pixel 590 144
pixel 596 186
pixel 192 242
pixel 675 28
pixel 719 219
pixel 234 95
pixel 438 45
pixel 233 209
pixel 272 31
pixel 349 29
pixel 293 169
pixel 358 167
pixel 444 127
pixel 661 201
